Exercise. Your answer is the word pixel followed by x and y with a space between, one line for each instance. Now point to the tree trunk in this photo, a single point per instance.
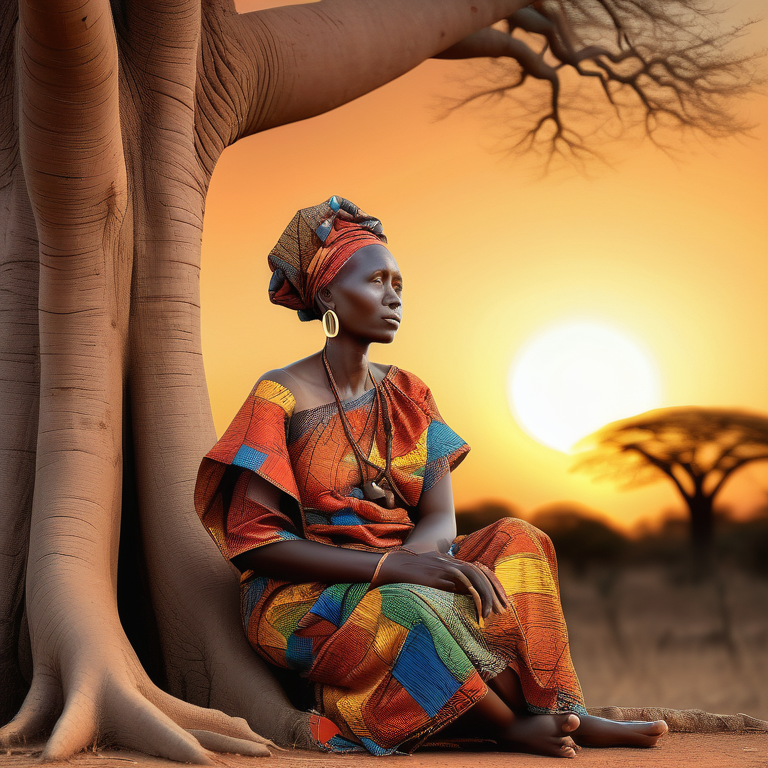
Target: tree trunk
pixel 702 528
pixel 107 151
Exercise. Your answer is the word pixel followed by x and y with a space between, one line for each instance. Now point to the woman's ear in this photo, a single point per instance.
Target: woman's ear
pixel 324 300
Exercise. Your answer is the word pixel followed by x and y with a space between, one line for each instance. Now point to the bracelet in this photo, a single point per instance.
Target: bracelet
pixel 378 566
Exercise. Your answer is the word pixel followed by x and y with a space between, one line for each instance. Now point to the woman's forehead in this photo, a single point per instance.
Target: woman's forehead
pixel 370 257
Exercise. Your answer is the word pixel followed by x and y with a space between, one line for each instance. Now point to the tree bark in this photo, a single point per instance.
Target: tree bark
pixel 108 149
pixel 19 393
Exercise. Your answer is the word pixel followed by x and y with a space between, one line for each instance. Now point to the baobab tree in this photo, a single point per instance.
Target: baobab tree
pixel 113 115
pixel 697 449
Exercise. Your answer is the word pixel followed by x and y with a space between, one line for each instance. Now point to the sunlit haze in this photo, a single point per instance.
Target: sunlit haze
pixel 671 255
pixel 572 379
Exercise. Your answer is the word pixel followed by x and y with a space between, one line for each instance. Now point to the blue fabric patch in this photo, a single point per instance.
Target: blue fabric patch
pixel 299 652
pixel 328 606
pixel 288 535
pixel 441 441
pixel 339 744
pixel 347 517
pixel 249 457
pixel 253 592
pixel 357 493
pixel 324 230
pixel 422 673
pixel 374 748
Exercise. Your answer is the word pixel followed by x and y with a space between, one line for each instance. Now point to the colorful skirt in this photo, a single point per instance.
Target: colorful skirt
pixel 395 664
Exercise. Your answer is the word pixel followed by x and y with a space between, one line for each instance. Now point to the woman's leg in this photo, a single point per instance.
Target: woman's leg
pixel 534 634
pixel 592 731
pixel 492 718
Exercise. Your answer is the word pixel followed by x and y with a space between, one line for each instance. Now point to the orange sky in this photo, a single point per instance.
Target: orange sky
pixel 675 255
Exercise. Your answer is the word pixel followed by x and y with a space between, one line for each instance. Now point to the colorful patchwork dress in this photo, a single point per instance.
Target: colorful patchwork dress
pixel 394 664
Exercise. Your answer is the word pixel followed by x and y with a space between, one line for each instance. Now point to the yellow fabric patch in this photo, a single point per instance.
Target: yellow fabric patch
pixel 351 708
pixel 375 456
pixel 276 393
pixel 526 573
pixel 410 462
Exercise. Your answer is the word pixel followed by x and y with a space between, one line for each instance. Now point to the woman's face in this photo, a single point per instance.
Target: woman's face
pixel 367 291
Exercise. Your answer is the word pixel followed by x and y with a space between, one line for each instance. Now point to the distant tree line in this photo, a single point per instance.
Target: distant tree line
pixel 584 541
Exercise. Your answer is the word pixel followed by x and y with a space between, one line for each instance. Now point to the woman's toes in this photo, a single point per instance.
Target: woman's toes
pixel 566 747
pixel 571 723
pixel 657 730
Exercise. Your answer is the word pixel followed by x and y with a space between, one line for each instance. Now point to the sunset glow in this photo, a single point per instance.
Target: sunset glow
pixel 572 379
pixel 670 255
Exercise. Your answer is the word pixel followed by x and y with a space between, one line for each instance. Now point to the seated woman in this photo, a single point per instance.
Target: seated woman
pixel 331 493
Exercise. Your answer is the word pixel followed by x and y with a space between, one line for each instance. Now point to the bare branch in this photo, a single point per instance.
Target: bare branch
pixel 662 69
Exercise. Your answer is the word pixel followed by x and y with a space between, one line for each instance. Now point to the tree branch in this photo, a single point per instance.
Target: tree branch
pixel 666 469
pixel 660 66
pixel 297 61
pixel 731 470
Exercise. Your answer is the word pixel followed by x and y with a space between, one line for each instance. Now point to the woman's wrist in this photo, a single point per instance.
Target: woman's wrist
pixel 378 568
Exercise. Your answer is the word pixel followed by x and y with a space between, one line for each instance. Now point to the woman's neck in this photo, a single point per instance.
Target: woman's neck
pixel 349 365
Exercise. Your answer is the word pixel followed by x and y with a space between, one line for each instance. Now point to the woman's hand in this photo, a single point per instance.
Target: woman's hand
pixel 432 569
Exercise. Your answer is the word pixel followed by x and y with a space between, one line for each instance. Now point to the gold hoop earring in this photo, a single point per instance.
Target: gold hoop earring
pixel 330 323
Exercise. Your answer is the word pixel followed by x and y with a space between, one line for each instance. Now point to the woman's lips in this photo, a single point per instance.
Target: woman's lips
pixel 392 320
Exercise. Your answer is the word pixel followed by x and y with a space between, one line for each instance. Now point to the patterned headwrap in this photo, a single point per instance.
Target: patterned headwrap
pixel 314 247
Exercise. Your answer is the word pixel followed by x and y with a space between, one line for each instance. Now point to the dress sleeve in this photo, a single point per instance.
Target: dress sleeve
pixel 255 441
pixel 445 449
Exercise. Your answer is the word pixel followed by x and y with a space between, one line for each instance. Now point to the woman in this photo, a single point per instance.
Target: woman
pixel 331 493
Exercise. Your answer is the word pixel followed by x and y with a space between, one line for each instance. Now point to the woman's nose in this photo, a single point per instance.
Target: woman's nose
pixel 392 298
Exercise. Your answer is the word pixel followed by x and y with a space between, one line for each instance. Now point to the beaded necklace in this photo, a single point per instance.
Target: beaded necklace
pixel 371 489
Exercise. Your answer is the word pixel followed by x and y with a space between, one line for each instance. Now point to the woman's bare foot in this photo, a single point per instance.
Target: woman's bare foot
pixel 599 732
pixel 542 735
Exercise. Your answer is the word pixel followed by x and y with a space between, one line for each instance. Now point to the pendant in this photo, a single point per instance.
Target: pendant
pixel 374 492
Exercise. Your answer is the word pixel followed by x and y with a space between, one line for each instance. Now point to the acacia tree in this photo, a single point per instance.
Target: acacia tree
pixel 113 115
pixel 697 449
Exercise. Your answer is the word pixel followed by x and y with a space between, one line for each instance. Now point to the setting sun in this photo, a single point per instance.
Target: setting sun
pixel 572 379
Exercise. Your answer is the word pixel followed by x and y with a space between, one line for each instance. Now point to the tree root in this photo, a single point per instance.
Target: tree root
pixel 108 708
pixel 684 720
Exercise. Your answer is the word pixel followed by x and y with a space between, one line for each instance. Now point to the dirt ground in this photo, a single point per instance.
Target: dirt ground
pixel 677 750
pixel 639 637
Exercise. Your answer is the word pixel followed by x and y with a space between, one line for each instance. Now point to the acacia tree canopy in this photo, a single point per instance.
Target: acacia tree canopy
pixel 696 448
pixel 112 118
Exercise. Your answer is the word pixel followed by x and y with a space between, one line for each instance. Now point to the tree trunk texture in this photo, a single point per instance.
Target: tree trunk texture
pixel 112 118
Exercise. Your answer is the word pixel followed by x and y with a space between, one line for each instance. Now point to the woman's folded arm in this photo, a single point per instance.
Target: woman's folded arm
pixel 295 559
pixel 301 560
